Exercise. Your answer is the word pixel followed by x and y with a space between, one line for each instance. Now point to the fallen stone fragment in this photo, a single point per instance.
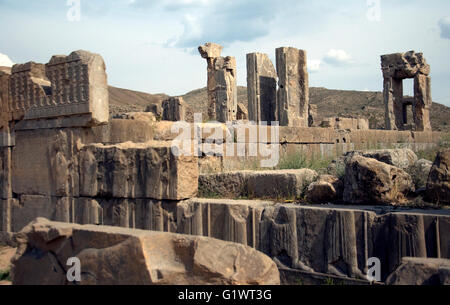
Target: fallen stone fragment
pixel 326 189
pixel 421 271
pixel 438 185
pixel 119 256
pixel 368 181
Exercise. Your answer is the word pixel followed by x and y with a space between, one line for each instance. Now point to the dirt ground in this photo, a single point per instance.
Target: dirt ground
pixel 6 253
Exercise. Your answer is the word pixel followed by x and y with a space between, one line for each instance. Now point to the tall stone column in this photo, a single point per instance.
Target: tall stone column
pixel 174 109
pixel 261 88
pixel 393 103
pixel 222 91
pixel 422 102
pixel 293 87
pixel 6 139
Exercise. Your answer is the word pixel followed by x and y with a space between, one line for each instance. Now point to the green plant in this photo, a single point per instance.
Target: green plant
pixel 330 282
pixel 204 192
pixel 5 275
pixel 340 170
pixel 299 161
pixel 431 153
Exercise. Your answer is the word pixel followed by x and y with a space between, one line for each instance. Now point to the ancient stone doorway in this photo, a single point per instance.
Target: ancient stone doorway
pixel 396 68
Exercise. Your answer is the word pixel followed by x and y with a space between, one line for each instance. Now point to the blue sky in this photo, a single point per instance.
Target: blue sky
pixel 151 45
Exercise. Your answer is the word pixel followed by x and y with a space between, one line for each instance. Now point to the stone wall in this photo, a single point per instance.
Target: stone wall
pixel 345 123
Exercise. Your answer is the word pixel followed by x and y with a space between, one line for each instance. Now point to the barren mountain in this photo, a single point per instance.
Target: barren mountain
pixel 330 103
pixel 124 100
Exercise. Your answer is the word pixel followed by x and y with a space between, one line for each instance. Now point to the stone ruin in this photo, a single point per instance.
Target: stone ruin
pixel 222 91
pixel 63 158
pixel 174 109
pixel 397 67
pixel 289 104
pixel 261 88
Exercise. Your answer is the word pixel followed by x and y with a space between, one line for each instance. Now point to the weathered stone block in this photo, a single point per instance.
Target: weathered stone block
pixel 368 181
pixel 156 109
pixel 421 271
pixel 128 170
pixel 146 257
pixel 87 211
pixel 402 157
pixel 30 207
pixel 231 220
pixel 119 131
pixel 279 183
pixel 45 162
pixel 293 87
pixel 326 189
pixel 438 185
pixel 73 85
pixel 261 88
pixel 257 184
pixel 174 109
pixel 404 65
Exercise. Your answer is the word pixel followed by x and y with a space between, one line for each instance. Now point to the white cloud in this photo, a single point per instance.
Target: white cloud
pixel 444 25
pixel 314 65
pixel 336 57
pixel 5 61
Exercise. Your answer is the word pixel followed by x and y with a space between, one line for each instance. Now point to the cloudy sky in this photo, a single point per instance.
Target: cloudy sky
pixel 151 45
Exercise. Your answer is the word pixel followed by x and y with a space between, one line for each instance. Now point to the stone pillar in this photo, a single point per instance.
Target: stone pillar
pixel 6 139
pixel 222 91
pixel 174 109
pixel 405 113
pixel 312 116
pixel 393 103
pixel 422 102
pixel 242 112
pixel 293 87
pixel 261 88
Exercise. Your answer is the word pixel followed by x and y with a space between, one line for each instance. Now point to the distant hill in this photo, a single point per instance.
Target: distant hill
pixel 124 100
pixel 330 103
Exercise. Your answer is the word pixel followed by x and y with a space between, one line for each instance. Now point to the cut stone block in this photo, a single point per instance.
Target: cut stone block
pixel 273 184
pixel 129 170
pixel 73 85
